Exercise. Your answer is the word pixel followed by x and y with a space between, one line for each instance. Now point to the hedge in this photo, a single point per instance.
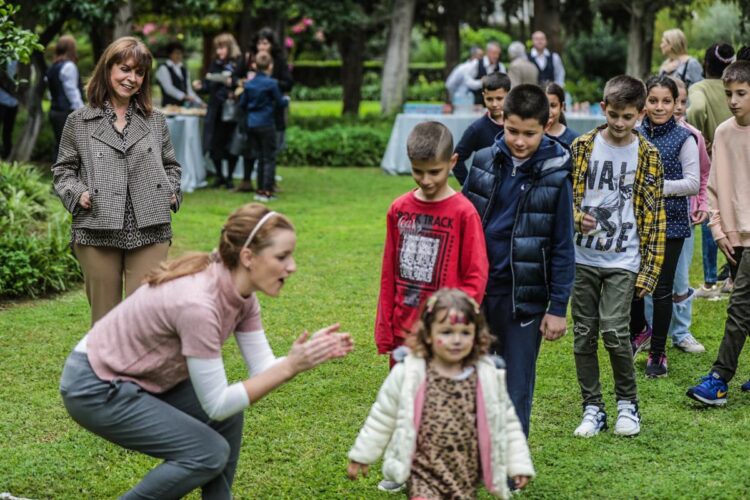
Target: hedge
pixel 338 145
pixel 315 74
pixel 34 234
pixel 423 90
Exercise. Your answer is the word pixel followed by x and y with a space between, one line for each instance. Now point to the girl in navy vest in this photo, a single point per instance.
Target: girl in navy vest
pixel 679 155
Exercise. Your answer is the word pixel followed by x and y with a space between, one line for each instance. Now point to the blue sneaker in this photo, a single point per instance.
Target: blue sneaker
pixel 746 386
pixel 711 391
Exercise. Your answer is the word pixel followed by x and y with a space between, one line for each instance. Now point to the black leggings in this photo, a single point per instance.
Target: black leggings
pixel 662 300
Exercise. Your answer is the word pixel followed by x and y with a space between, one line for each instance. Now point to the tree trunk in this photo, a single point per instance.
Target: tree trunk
pixel 24 146
pixel 640 37
pixel 101 36
pixel 124 20
pixel 395 79
pixel 352 48
pixel 547 19
pixel 451 36
pixel 247 26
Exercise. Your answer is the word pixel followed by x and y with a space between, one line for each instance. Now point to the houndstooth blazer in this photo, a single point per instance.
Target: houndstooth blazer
pixel 92 159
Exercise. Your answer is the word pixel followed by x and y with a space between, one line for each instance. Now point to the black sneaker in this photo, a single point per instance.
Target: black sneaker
pixel 656 365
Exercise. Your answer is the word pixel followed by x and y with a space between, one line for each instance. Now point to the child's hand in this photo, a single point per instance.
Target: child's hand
pixel 354 468
pixel 588 223
pixel 640 292
pixel 727 249
pixel 553 327
pixel 521 481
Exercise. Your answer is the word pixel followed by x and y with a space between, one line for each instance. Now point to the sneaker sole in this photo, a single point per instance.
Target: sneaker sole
pixel 628 434
pixel 661 375
pixel 709 402
pixel 397 490
pixel 602 428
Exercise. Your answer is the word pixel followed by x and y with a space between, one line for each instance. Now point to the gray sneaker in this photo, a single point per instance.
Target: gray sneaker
pixel 727 286
pixel 390 486
pixel 689 344
pixel 711 293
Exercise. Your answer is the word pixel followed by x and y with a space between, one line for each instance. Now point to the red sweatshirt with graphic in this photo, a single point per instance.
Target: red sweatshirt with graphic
pixel 428 246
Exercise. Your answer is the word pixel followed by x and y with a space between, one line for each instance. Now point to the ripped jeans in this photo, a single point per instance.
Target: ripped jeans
pixel 601 303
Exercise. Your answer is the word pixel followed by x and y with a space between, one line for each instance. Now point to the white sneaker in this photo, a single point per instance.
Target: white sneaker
pixel 727 286
pixel 594 420
pixel 712 293
pixel 390 486
pixel 628 419
pixel 689 344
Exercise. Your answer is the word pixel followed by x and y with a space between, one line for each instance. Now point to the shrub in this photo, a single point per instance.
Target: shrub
pixel 423 90
pixel 34 233
pixel 339 145
pixel 328 73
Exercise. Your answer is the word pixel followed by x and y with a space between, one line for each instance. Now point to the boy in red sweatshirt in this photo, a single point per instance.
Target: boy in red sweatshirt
pixel 434 239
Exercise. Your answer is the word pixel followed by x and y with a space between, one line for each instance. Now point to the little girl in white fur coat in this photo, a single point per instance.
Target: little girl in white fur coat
pixel 443 415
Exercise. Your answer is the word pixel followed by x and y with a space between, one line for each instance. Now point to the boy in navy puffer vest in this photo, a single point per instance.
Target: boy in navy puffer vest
pixel 522 190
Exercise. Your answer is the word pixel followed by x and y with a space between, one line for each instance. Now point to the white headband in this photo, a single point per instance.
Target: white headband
pixel 257 227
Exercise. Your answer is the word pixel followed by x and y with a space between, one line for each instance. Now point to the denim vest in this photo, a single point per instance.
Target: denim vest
pixel 668 139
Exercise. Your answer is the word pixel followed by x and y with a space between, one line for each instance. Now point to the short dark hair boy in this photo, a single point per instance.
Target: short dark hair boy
pixel 483 131
pixel 521 188
pixel 528 102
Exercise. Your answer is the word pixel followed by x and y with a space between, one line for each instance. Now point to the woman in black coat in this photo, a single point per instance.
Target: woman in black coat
pixel 220 83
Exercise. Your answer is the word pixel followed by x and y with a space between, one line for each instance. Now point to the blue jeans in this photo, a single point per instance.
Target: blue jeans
pixel 709 255
pixel 517 340
pixel 682 312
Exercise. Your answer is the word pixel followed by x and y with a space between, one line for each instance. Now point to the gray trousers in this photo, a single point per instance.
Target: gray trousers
pixel 737 326
pixel 601 302
pixel 197 451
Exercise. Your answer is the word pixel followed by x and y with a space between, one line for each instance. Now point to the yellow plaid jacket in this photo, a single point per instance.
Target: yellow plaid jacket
pixel 648 202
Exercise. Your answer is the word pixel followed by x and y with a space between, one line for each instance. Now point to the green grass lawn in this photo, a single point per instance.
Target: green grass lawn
pixel 297 438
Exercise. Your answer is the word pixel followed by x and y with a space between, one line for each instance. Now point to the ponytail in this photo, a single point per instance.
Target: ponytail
pixel 177 268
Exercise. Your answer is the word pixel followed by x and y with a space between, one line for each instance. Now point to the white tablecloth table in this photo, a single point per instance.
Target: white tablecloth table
pixel 395 161
pixel 185 132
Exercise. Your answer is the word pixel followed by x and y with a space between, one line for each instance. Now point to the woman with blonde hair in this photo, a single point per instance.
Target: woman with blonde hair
pixel 220 82
pixel 678 64
pixel 117 174
pixel 64 86
pixel 150 376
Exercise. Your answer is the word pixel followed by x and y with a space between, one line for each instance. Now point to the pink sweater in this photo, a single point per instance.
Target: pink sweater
pixel 729 184
pixel 147 337
pixel 699 202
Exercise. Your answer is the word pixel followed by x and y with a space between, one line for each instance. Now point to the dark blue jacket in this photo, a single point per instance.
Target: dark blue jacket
pixel 480 134
pixel 527 215
pixel 260 100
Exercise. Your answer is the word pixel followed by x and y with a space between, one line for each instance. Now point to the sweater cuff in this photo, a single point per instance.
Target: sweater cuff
pixel 557 308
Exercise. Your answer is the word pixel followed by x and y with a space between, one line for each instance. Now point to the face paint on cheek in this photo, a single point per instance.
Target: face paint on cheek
pixel 439 342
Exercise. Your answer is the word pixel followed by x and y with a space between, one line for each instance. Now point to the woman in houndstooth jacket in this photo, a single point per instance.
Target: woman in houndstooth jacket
pixel 117 174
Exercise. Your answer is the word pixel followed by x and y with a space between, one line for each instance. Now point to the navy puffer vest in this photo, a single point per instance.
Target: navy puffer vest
pixel 668 139
pixel 533 226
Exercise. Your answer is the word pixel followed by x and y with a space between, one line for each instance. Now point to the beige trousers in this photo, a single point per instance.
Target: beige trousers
pixel 105 269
